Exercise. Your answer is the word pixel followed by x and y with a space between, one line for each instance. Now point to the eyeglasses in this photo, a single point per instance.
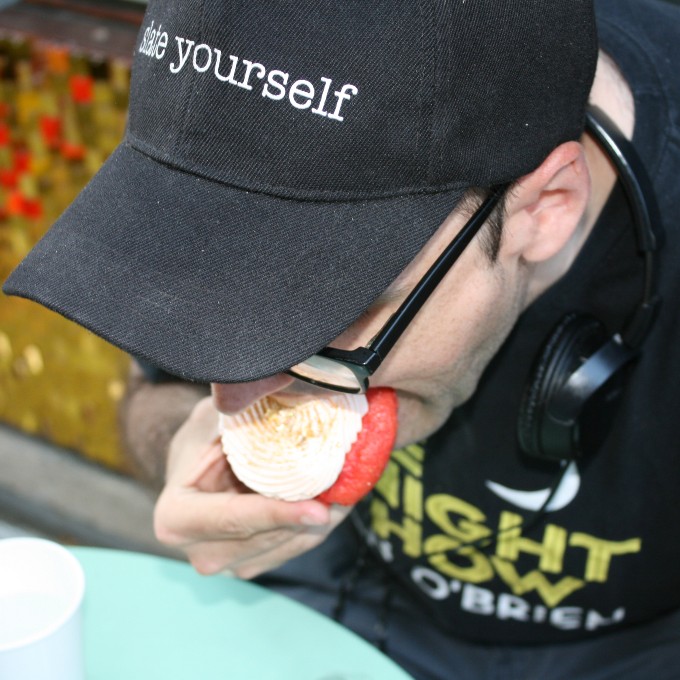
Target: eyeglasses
pixel 349 370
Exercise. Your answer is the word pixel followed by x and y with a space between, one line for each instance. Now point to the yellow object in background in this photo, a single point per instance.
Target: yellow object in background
pixel 61 115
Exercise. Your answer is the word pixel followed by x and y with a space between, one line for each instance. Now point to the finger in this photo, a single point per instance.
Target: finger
pixel 245 515
pixel 276 557
pixel 211 471
pixel 212 557
pixel 193 515
pixel 264 552
pixel 193 440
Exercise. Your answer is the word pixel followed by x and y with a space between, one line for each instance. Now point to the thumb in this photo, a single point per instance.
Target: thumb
pixel 192 448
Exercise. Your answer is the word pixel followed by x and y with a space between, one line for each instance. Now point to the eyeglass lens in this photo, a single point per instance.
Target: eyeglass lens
pixel 324 371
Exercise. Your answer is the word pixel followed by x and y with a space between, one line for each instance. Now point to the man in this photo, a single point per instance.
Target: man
pixel 289 175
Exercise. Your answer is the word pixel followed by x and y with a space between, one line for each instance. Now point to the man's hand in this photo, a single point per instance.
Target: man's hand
pixel 222 526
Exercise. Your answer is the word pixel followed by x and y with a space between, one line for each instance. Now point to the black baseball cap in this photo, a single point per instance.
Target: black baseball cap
pixel 284 161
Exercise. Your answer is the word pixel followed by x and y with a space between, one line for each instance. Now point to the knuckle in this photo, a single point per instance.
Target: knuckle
pixel 206 566
pixel 164 535
pixel 162 530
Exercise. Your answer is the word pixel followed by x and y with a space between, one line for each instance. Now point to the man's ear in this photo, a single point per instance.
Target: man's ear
pixel 545 208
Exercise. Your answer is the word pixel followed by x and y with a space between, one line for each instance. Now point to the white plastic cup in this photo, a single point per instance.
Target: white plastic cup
pixel 41 591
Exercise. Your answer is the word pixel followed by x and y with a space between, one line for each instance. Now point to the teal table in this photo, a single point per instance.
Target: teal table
pixel 147 617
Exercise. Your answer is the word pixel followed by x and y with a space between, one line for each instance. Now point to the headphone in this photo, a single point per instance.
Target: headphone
pixel 580 373
pixel 578 378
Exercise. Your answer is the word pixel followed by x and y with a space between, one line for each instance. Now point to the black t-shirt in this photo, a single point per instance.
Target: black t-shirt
pixel 607 554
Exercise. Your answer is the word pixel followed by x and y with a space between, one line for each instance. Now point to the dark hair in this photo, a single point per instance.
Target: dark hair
pixel 492 233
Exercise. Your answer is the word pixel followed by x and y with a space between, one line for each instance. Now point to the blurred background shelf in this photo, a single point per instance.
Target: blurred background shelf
pixel 64 79
pixel 53 492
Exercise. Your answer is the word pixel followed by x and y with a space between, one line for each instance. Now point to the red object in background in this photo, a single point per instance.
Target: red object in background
pixel 32 208
pixel 81 88
pixel 21 160
pixel 72 152
pixel 5 110
pixel 14 205
pixel 50 129
pixel 5 135
pixel 18 205
pixel 368 457
pixel 9 178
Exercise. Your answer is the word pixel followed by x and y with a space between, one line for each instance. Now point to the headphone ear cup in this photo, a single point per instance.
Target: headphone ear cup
pixel 575 338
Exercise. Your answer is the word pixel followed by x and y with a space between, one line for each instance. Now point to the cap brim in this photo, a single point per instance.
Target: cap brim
pixel 213 283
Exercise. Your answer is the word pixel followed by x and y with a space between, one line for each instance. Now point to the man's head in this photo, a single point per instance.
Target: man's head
pixel 285 162
pixel 529 242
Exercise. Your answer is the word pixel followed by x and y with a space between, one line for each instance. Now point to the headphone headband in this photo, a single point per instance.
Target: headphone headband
pixel 644 208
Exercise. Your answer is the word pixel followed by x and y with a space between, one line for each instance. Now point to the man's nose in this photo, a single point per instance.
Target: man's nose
pixel 234 397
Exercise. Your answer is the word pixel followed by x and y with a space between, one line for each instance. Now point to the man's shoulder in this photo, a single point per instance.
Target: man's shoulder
pixel 640 15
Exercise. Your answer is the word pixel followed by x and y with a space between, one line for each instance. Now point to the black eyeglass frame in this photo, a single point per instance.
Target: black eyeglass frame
pixel 364 361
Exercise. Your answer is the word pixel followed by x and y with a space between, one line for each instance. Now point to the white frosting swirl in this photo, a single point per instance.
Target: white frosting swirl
pixel 292 447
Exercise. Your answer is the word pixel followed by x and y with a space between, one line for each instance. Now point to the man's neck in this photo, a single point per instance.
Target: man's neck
pixel 610 92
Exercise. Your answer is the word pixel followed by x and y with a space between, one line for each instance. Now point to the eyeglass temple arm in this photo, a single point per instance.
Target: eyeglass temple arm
pixel 398 322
